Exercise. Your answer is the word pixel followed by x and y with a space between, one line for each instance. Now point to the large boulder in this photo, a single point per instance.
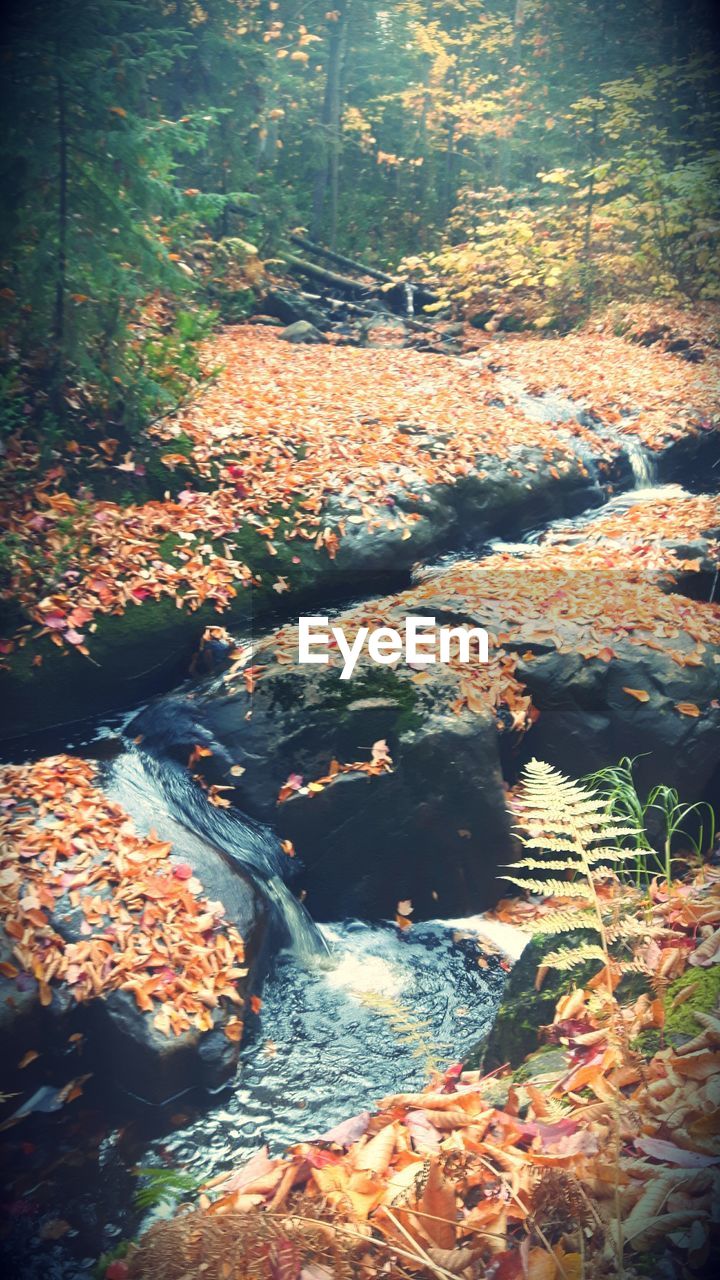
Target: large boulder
pixel 291 308
pixel 432 828
pixel 585 666
pixel 302 331
pixel 589 719
pixel 95 916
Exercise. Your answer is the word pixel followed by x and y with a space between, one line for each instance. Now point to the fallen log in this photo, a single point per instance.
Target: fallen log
pixel 340 259
pixel 331 278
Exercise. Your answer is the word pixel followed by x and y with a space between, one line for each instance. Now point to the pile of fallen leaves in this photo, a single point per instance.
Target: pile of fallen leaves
pixel 573 1170
pixel 118 559
pixel 565 594
pixel 644 391
pixel 88 903
pixel 648 535
pixel 692 332
pixel 281 432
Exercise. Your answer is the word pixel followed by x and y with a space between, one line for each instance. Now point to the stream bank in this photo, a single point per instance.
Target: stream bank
pixel 399 457
pixel 433 828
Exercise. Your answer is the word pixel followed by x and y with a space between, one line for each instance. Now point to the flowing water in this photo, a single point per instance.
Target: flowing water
pixel 147 787
pixel 409 299
pixel 350 1012
pixel 333 1037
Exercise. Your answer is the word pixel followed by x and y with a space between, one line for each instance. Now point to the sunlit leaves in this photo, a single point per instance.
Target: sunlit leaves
pixel 145 927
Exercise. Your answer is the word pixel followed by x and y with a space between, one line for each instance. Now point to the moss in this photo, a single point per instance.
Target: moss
pixel 376 683
pixel 132 488
pixel 160 479
pixel 547 1058
pixel 169 546
pixel 252 548
pixel 132 655
pixel 339 695
pixel 705 998
pixel 524 1010
pixel 647 1043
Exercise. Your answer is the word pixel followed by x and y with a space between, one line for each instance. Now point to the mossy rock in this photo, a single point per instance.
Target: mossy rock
pixel 132 655
pixel 524 1010
pixel 705 998
pixel 148 647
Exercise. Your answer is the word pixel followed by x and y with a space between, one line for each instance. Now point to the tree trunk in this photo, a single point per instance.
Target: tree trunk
pixel 62 221
pixel 588 282
pixel 339 259
pixel 327 177
pixel 504 155
pixel 330 278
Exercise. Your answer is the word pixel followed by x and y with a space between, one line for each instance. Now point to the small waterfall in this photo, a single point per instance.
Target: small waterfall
pixel 642 463
pixel 409 299
pixel 153 790
pixel 306 940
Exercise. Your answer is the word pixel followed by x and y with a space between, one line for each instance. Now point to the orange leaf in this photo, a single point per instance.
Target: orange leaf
pixel 688 709
pixel 438 1201
pixel 376 1155
pixel 642 695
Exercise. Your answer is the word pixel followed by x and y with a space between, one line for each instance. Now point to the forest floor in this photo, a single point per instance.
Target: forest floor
pixel 596 1156
pixel 279 431
pixel 615 1130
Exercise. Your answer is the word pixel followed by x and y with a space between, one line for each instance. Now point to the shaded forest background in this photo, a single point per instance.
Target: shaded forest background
pixel 533 158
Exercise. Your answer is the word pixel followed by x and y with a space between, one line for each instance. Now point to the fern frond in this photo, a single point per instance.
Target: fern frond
pixel 610 853
pixel 610 829
pixel 557 1109
pixel 633 927
pixel 567 958
pixel 546 864
pixel 565 922
pixel 549 842
pixel 634 966
pixel 552 888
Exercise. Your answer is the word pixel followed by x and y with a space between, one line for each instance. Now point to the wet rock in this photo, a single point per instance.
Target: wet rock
pixel 433 830
pixel 525 1010
pixel 383 330
pixel 291 307
pixel 121 1042
pixel 693 458
pixel 588 720
pixel 302 331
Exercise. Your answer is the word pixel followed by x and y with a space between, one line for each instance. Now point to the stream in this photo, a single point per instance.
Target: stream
pixel 351 1011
